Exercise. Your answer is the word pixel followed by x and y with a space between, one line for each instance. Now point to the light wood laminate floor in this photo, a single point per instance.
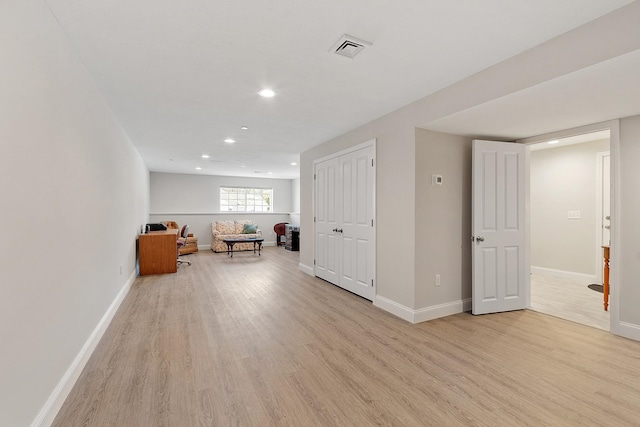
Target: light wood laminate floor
pixel 569 300
pixel 252 341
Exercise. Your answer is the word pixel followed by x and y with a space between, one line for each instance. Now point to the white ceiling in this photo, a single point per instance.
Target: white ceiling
pixel 183 76
pixel 601 92
pixel 571 140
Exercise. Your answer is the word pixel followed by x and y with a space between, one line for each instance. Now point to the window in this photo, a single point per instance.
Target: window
pixel 238 199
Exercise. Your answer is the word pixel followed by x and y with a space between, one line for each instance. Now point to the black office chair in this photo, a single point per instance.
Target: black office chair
pixel 182 241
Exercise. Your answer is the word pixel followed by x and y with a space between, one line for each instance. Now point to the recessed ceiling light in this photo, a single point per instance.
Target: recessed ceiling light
pixel 198 168
pixel 205 156
pixel 244 128
pixel 229 140
pixel 294 164
pixel 555 141
pixel 270 173
pixel 267 93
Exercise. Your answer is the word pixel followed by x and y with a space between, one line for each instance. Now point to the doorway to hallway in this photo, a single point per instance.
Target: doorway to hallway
pixel 569 221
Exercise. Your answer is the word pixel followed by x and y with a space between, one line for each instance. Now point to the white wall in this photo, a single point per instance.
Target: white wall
pixel 294 218
pixel 295 195
pixel 195 200
pixel 564 179
pixel 73 195
pixel 172 192
pixel 627 261
pixel 395 199
pixel 421 230
pixel 443 220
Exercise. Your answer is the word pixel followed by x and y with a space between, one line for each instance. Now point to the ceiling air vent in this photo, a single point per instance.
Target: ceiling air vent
pixel 349 46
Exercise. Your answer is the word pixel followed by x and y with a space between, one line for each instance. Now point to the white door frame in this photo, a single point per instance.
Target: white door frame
pixel 366 144
pixel 614 146
pixel 599 213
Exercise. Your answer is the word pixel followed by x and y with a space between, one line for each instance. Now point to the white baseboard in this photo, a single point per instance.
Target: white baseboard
pixel 442 310
pixel 629 330
pixel 399 310
pixel 561 274
pixel 422 314
pixel 306 269
pixel 53 404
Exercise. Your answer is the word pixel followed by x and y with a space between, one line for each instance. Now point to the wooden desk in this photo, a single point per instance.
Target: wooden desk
pixel 605 278
pixel 158 252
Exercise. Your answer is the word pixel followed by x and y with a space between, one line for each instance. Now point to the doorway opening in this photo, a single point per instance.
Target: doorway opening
pixel 569 224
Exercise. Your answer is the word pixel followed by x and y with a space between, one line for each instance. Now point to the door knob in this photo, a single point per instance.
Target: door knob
pixel 608 227
pixel 335 230
pixel 479 239
pixel 340 230
pixel 608 217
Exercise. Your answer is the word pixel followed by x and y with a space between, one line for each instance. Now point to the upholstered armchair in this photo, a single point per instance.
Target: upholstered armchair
pixel 281 231
pixel 191 245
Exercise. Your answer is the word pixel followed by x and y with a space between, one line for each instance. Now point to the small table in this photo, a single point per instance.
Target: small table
pixel 255 240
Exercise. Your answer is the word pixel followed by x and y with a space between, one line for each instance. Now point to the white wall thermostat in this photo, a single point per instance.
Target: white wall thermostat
pixel 436 179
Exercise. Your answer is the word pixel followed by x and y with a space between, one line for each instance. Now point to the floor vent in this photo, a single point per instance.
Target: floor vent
pixel 349 46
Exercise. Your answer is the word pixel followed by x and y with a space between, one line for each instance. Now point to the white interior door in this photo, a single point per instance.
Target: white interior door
pixel 326 220
pixel 500 248
pixel 356 229
pixel 344 221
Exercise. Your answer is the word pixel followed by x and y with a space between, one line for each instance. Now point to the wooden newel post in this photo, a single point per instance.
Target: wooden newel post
pixel 606 278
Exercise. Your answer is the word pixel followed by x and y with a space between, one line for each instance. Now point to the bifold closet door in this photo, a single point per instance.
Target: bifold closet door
pixel 326 220
pixel 345 236
pixel 356 228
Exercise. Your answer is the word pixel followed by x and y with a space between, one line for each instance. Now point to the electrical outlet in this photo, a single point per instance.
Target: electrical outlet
pixel 437 280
